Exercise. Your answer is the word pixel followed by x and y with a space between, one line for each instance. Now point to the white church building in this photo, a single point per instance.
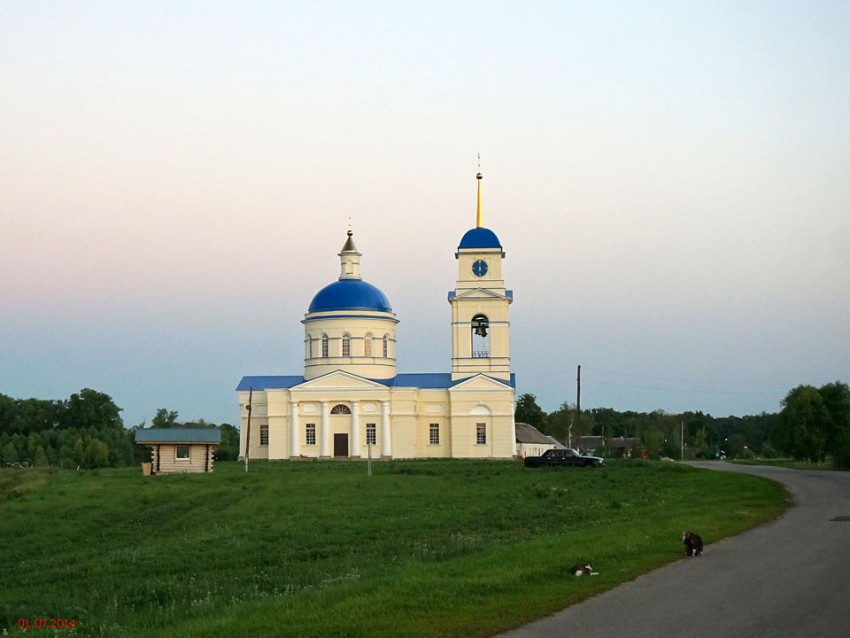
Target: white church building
pixel 350 402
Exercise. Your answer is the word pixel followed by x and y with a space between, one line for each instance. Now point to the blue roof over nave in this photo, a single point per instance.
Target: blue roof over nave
pixel 350 294
pixel 403 380
pixel 480 238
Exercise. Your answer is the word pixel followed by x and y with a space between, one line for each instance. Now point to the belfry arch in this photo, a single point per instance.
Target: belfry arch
pixel 480 338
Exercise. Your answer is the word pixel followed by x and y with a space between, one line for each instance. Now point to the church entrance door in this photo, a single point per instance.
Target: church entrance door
pixel 340 445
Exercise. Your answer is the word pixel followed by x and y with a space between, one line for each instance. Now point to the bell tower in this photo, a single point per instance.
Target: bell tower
pixel 480 325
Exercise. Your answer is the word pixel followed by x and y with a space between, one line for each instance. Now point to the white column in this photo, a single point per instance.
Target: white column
pixel 294 448
pixel 326 431
pixel 386 442
pixel 355 429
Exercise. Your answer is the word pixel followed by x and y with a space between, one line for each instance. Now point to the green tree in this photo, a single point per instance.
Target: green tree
pixel 28 416
pixel 735 445
pixel 586 425
pixel 559 423
pixel 700 443
pixel 527 411
pixel 79 452
pixel 92 409
pixel 802 427
pixel 661 434
pixel 8 454
pixel 607 421
pixel 97 454
pixel 200 423
pixel 40 459
pixel 7 413
pixel 836 397
pixel 228 449
pixel 652 437
pixel 165 419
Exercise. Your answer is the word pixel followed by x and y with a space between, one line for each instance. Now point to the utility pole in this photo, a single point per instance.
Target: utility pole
pixel 578 405
pixel 369 462
pixel 248 433
pixel 682 441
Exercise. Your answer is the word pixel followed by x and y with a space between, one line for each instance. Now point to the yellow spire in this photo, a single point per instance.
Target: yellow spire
pixel 479 217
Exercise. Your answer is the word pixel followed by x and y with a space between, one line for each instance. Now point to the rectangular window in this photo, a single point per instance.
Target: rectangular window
pixel 371 434
pixel 481 433
pixel 311 434
pixel 264 435
pixel 182 452
pixel 434 434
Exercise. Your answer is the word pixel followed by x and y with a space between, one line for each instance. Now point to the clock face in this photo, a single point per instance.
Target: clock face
pixel 479 268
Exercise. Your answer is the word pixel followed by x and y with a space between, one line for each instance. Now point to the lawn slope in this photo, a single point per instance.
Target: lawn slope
pixel 420 548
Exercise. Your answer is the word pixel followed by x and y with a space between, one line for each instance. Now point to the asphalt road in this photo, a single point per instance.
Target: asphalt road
pixel 787 579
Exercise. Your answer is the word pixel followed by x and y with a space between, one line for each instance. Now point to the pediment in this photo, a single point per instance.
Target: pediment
pixel 481 382
pixel 340 379
pixel 477 293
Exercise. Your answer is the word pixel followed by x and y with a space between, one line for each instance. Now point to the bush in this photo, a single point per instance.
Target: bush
pixel 841 458
pixel 746 453
pixel 770 452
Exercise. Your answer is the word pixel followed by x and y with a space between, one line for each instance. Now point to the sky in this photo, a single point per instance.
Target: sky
pixel 670 182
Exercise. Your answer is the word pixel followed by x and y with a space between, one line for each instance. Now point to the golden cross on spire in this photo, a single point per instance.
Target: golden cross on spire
pixel 479 217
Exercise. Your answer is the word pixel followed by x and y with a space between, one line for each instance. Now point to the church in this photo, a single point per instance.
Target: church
pixel 351 403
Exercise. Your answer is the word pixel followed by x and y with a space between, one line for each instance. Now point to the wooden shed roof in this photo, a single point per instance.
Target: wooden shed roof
pixel 210 436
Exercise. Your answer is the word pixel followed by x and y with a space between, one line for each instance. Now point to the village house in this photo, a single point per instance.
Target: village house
pixel 179 450
pixel 532 442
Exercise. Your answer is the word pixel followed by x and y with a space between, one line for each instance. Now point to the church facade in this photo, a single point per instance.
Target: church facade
pixel 350 401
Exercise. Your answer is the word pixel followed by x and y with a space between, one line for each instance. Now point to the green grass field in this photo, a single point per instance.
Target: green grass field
pixel 790 464
pixel 420 548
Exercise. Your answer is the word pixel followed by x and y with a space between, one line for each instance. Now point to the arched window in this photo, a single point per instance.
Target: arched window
pixel 346 345
pixel 367 345
pixel 325 346
pixel 386 346
pixel 339 408
pixel 480 337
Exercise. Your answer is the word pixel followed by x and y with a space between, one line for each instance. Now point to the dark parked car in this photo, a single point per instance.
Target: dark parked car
pixel 561 457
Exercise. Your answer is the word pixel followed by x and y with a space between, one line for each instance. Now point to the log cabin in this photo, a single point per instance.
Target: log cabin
pixel 179 450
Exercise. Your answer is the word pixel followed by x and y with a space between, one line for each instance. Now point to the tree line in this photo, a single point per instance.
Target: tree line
pixel 84 431
pixel 813 425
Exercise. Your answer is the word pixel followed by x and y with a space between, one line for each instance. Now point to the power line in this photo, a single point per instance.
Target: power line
pixel 705 386
pixel 680 380
pixel 685 390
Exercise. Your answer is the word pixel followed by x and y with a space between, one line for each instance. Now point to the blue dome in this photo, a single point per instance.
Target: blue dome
pixel 480 238
pixel 350 294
